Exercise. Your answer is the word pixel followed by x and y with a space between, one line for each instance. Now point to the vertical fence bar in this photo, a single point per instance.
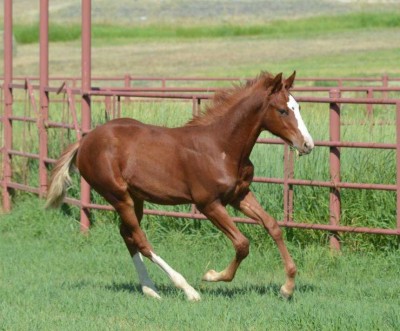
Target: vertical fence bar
pixel 85 102
pixel 118 106
pixel 398 164
pixel 385 84
pixel 196 102
pixel 195 107
pixel 108 106
pixel 8 101
pixel 334 165
pixel 370 106
pixel 127 84
pixel 288 188
pixel 44 97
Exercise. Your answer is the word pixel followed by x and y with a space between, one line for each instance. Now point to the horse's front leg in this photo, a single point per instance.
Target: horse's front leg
pixel 219 216
pixel 252 208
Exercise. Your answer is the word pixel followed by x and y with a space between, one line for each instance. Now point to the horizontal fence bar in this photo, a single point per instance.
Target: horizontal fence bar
pixel 23 119
pixel 210 79
pixel 292 224
pixel 23 187
pixel 305 182
pixel 149 91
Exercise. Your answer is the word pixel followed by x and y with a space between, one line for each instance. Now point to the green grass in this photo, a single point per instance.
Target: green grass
pixel 52 277
pixel 304 27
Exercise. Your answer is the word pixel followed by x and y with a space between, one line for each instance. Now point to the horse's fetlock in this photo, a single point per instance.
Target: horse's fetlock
pixel 291 271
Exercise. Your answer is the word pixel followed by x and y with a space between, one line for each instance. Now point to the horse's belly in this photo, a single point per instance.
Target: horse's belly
pixel 158 190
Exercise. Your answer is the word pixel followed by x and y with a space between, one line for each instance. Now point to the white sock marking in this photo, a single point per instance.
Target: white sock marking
pixel 178 280
pixel 147 284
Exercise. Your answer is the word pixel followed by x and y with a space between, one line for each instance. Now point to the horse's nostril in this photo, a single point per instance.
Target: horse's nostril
pixel 308 146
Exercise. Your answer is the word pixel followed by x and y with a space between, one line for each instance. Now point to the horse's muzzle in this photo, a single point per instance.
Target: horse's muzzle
pixel 306 148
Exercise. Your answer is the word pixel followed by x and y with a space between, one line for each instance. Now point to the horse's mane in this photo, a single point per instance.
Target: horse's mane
pixel 223 99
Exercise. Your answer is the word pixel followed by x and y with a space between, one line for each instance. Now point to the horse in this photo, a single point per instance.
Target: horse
pixel 205 162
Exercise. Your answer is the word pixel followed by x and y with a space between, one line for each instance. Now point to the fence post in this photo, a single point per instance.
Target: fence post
pixel 44 97
pixel 370 106
pixel 195 107
pixel 334 165
pixel 8 103
pixel 127 84
pixel 385 84
pixel 288 188
pixel 195 112
pixel 398 164
pixel 85 102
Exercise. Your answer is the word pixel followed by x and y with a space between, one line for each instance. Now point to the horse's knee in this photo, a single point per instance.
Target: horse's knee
pixel 275 232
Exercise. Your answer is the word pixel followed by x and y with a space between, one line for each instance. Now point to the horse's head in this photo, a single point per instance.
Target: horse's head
pixel 282 115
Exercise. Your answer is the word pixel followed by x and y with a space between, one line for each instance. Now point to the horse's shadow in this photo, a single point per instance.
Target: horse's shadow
pixel 227 292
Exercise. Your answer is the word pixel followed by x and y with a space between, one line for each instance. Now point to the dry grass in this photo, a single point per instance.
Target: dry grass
pixel 220 57
pixel 143 11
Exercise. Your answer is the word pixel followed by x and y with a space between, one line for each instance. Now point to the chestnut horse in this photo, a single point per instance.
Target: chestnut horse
pixel 206 162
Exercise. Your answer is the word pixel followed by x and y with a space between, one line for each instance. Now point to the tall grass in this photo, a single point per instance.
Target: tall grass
pixel 304 27
pixel 29 33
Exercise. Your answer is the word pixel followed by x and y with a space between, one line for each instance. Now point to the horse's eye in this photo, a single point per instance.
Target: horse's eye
pixel 283 112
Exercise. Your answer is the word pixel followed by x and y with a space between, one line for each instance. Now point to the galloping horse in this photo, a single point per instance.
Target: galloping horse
pixel 205 162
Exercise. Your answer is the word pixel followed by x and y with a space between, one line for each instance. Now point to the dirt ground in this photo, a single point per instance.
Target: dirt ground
pixel 129 11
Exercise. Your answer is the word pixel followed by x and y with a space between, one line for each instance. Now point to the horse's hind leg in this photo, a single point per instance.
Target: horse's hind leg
pixel 146 283
pixel 136 241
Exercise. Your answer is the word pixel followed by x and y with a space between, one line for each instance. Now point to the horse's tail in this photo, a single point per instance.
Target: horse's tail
pixel 60 179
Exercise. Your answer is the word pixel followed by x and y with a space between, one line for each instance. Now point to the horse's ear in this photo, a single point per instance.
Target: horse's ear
pixel 290 80
pixel 276 84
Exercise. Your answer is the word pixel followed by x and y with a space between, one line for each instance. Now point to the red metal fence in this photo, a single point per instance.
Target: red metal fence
pixel 331 92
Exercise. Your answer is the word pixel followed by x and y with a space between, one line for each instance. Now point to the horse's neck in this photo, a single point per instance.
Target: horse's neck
pixel 239 129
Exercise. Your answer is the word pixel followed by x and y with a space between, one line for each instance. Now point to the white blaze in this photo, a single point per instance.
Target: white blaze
pixel 294 106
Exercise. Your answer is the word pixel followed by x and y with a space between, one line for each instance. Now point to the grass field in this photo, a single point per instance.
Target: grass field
pixel 54 278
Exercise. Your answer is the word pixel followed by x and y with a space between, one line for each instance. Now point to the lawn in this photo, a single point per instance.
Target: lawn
pixel 52 277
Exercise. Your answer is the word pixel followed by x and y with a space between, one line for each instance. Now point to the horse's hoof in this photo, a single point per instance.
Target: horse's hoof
pixel 147 291
pixel 285 293
pixel 211 276
pixel 193 295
